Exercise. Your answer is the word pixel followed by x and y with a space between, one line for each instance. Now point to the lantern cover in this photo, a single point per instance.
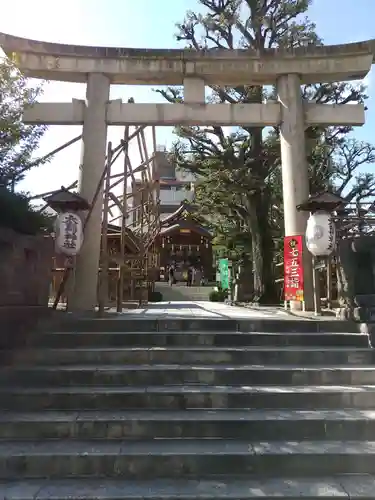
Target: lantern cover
pixel 320 234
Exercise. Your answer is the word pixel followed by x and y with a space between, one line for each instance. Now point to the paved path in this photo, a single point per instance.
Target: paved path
pixel 188 309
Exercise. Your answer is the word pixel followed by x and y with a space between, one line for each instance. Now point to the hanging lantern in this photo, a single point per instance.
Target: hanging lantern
pixel 320 234
pixel 69 233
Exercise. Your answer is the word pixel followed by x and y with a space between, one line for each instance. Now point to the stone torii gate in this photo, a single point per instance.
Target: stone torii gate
pixel 99 67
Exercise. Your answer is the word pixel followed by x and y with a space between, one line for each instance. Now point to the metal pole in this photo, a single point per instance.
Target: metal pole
pixel 329 282
pixel 317 306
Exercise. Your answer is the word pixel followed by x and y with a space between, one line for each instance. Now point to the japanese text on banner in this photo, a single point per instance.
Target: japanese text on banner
pixel 293 268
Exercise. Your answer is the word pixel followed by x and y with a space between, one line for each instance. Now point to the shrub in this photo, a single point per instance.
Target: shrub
pixel 155 296
pixel 16 214
pixel 218 295
pixel 214 296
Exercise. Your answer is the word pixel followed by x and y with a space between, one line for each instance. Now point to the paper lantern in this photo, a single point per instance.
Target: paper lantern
pixel 69 233
pixel 320 234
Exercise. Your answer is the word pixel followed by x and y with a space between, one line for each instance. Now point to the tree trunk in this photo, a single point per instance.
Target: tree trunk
pixel 256 243
pixel 265 291
pixel 270 295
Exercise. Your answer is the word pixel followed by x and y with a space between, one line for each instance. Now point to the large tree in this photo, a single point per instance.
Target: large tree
pixel 239 174
pixel 18 142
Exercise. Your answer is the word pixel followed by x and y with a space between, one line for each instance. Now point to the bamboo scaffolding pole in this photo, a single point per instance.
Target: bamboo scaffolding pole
pixel 124 215
pixel 104 274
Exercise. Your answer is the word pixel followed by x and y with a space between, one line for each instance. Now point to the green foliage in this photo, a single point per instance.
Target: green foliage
pixel 218 295
pixel 17 214
pixel 18 142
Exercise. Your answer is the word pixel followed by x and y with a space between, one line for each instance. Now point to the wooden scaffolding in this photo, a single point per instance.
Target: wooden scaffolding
pixel 131 222
pixel 129 261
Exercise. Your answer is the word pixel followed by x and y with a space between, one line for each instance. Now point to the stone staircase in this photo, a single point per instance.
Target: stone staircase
pixel 182 293
pixel 189 409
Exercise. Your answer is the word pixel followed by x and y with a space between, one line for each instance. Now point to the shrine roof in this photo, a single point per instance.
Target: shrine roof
pixel 184 207
pixel 188 225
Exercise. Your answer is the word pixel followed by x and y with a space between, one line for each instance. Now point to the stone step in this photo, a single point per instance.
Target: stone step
pixel 226 488
pixel 306 356
pixel 187 396
pixel 252 425
pixel 182 293
pixel 153 323
pixel 132 322
pixel 159 375
pixel 178 458
pixel 216 339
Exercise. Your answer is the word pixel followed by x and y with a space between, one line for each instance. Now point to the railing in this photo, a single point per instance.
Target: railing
pixel 175 197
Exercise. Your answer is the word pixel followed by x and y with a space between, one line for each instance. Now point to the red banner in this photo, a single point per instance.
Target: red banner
pixel 293 268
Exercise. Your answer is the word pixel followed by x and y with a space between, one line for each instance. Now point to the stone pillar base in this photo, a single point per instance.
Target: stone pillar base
pixel 360 314
pixel 296 305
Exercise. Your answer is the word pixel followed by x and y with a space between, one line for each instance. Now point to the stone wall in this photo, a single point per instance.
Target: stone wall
pixel 25 275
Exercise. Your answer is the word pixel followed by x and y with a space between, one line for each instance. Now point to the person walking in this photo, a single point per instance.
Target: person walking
pixel 171 275
pixel 189 276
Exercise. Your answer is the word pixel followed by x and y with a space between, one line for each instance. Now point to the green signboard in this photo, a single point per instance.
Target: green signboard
pixel 224 273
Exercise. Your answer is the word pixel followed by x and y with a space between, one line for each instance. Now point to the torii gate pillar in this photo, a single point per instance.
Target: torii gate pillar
pixel 84 293
pixel 294 169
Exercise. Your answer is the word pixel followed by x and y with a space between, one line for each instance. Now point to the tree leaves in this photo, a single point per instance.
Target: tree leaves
pixel 18 142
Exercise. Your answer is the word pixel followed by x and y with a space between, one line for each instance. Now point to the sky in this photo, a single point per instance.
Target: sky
pixel 144 24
